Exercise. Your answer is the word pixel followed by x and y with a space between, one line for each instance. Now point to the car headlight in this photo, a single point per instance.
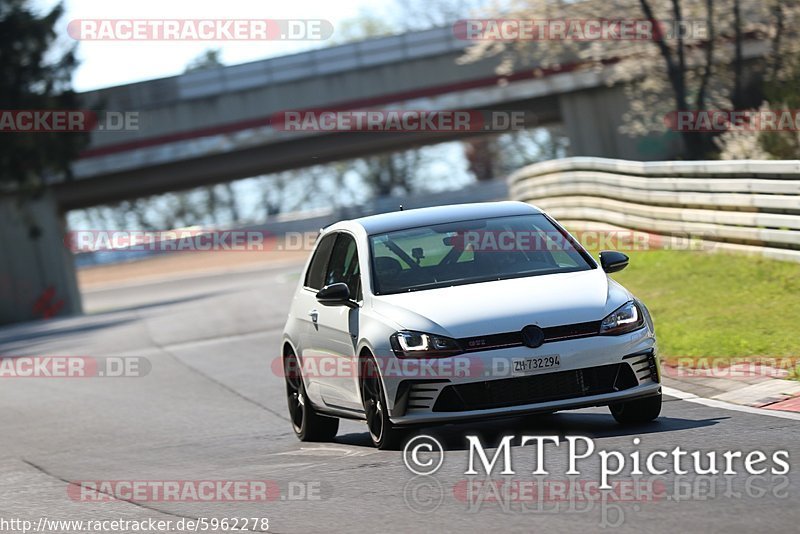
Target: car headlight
pixel 624 319
pixel 408 344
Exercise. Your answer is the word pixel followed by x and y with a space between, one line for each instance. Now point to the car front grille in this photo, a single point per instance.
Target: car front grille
pixel 515 339
pixel 536 388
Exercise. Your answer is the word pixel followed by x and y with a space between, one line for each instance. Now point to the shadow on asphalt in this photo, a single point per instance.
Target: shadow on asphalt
pixel 26 334
pixel 591 425
pixel 165 302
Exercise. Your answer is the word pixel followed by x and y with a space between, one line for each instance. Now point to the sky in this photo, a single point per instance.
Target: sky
pixel 108 63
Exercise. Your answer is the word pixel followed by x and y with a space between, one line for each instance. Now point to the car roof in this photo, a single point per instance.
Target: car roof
pixel 399 220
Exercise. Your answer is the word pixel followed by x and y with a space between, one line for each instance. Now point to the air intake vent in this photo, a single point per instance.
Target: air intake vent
pixel 644 365
pixel 537 388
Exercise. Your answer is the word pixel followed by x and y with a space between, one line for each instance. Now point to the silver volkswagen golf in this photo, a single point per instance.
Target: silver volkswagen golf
pixel 451 313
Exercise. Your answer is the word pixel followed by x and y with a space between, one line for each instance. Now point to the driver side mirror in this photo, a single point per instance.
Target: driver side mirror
pixel 337 294
pixel 613 261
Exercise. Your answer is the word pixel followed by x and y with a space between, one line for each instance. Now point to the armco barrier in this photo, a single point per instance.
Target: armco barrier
pixel 743 206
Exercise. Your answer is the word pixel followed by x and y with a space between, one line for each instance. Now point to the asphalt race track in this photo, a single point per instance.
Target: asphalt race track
pixel 210 408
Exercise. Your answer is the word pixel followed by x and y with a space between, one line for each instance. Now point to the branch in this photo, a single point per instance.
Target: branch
pixel 738 60
pixel 701 93
pixel 675 78
pixel 776 43
pixel 676 10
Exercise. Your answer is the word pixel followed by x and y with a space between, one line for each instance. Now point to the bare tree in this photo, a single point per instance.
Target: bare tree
pixel 207 60
pixel 700 69
pixel 364 26
pixel 482 155
pixel 424 14
pixel 387 174
pixel 780 93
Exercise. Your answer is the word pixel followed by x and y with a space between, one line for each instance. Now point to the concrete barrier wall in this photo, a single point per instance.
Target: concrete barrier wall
pixel 37 278
pixel 743 206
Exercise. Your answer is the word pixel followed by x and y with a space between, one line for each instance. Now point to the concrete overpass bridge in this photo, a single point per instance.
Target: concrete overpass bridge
pixel 213 126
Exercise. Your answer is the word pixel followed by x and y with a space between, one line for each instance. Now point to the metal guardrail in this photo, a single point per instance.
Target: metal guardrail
pixel 743 206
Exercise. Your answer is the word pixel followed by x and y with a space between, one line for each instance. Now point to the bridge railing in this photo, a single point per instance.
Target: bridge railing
pixel 742 206
pixel 400 48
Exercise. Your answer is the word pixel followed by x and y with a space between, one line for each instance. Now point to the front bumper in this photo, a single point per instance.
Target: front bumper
pixel 641 391
pixel 594 371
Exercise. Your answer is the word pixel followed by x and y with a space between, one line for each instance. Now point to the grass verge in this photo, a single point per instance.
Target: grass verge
pixel 719 305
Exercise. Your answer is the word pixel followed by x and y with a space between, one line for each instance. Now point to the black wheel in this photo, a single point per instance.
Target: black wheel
pixel 637 411
pixel 383 433
pixel 307 424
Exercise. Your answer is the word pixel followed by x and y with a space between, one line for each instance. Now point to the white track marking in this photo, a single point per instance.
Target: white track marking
pixel 713 403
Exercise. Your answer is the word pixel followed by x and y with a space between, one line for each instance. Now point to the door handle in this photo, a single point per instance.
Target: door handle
pixel 314 315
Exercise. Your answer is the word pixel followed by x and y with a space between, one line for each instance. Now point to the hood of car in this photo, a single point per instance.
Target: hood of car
pixel 505 305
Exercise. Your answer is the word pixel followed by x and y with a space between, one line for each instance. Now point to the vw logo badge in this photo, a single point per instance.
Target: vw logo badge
pixel 532 336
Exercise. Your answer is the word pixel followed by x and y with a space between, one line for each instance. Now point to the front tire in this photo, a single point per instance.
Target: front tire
pixel 636 412
pixel 307 424
pixel 384 435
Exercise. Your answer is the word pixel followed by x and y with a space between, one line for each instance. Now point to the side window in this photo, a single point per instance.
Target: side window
pixel 315 276
pixel 343 266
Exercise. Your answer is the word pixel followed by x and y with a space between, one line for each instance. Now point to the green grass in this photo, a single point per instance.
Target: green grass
pixel 719 305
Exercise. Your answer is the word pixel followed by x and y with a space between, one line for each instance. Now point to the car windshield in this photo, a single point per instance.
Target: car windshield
pixel 466 252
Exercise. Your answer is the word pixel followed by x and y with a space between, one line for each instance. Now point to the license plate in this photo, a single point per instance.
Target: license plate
pixel 527 366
